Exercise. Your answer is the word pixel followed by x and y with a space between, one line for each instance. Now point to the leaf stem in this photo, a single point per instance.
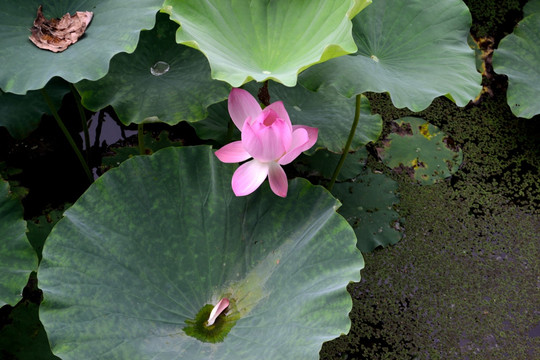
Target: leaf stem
pixel 140 138
pixel 67 134
pixel 263 94
pixel 348 144
pixel 83 120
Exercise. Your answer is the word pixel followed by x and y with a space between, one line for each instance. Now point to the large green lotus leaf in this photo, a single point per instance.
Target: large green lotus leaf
pixel 115 28
pixel 160 81
pixel 39 228
pixel 22 336
pixel 21 113
pixel 518 57
pixel 323 164
pixel 153 241
pixel 263 39
pixel 368 205
pixel 218 125
pixel 17 258
pixel 414 49
pixel 532 7
pixel 331 113
pixel 478 53
pixel 15 187
pixel 420 149
pixel 119 154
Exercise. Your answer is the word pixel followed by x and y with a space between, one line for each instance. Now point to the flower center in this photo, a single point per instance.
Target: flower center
pixel 270 116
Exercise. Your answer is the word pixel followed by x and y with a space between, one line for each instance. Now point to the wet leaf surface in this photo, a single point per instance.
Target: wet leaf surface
pixel 161 81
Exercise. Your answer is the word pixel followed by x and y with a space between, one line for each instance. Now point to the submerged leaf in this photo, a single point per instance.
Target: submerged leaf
pixel 421 150
pixel 57 34
pixel 368 205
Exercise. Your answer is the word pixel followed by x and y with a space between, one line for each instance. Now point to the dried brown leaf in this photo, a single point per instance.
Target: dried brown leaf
pixel 57 34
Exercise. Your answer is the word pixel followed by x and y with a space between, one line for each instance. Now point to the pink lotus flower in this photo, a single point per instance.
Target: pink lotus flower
pixel 269 138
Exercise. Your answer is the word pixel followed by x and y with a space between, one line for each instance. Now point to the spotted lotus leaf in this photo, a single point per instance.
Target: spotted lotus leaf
pixel 420 149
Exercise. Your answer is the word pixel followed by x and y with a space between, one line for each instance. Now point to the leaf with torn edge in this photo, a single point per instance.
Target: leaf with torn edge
pixel 57 34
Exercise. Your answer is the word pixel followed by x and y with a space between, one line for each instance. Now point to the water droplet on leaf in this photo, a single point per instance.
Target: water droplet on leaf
pixel 159 68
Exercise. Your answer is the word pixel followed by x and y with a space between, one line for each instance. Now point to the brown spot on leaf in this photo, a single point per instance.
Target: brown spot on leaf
pixel 57 34
pixel 402 130
pixel 416 164
pixel 424 130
